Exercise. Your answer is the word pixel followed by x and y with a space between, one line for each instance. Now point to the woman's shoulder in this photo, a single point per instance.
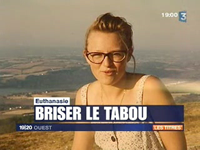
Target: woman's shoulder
pixel 136 79
pixel 148 80
pixel 82 91
pixel 90 85
pixel 153 83
pixel 155 92
pixel 85 86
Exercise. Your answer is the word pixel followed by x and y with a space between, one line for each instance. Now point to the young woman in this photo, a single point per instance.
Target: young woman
pixel 108 49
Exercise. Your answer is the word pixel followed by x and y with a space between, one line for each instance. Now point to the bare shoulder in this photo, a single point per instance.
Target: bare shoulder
pixel 78 97
pixel 153 82
pixel 79 93
pixel 82 140
pixel 78 100
pixel 155 93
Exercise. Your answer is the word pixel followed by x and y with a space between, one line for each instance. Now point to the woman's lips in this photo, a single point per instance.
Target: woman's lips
pixel 110 72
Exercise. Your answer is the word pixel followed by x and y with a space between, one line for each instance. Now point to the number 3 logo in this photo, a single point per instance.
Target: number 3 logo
pixel 183 16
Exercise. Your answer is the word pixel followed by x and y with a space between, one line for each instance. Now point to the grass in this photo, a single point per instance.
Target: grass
pixel 192 122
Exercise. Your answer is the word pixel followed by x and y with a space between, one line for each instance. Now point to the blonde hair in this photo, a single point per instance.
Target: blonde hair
pixel 112 24
pixel 109 23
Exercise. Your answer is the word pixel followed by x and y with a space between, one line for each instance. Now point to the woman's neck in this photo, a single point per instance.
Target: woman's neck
pixel 112 91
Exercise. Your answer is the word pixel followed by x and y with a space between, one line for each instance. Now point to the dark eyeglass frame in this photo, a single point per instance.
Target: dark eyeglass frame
pixel 106 54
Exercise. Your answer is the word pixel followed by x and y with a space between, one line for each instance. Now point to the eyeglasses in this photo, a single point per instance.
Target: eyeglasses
pixel 97 57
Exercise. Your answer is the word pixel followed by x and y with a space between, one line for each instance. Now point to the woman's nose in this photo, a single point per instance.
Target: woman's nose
pixel 107 61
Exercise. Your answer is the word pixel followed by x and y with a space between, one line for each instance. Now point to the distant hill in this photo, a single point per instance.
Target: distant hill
pixel 188 98
pixel 70 79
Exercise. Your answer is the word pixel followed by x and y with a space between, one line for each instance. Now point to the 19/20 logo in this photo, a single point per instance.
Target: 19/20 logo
pixel 182 15
pixel 25 127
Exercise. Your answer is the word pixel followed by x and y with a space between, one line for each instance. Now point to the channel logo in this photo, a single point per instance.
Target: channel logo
pixel 183 16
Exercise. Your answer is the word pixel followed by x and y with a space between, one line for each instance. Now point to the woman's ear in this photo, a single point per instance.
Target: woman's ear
pixel 130 53
pixel 85 55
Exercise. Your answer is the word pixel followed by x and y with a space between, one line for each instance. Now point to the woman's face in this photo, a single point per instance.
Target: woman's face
pixel 107 72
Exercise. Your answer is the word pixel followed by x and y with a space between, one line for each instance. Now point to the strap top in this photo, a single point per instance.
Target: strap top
pixel 149 139
pixel 84 90
pixel 141 83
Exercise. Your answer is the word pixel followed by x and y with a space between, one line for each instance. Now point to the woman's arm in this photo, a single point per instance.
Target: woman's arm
pixel 155 93
pixel 82 140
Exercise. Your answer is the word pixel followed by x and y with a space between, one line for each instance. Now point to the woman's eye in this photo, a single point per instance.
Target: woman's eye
pixel 118 54
pixel 96 55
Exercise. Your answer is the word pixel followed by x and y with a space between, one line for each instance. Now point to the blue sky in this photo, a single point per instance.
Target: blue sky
pixel 63 23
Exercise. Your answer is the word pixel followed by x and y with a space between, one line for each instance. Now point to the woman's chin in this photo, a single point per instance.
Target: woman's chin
pixel 107 81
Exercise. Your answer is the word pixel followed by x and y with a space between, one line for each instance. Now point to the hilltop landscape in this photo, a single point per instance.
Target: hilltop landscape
pixel 60 75
pixel 64 140
pixel 41 55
